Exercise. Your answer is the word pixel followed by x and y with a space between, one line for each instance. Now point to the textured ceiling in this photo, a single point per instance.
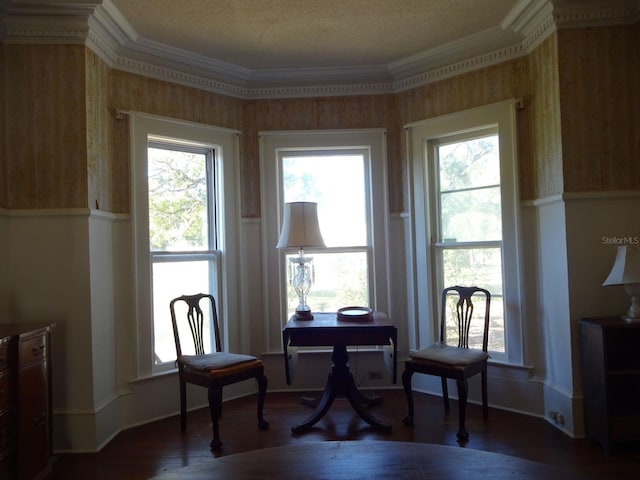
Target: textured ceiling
pixel 287 34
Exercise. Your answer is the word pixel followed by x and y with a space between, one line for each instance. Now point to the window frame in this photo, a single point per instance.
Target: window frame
pixel 421 137
pixel 272 143
pixel 225 143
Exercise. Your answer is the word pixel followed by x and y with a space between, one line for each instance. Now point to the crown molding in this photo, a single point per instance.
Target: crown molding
pixel 458 68
pixel 473 46
pixel 535 20
pixel 99 25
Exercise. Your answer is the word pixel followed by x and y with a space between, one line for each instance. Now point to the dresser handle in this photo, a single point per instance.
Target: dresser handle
pixel 40 420
pixel 37 351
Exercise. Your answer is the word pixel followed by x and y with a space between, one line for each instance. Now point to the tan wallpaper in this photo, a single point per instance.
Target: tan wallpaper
pixel 64 148
pixel 45 126
pixel 3 131
pixel 142 94
pixel 543 136
pixel 376 111
pixel 488 85
pixel 600 105
pixel 100 158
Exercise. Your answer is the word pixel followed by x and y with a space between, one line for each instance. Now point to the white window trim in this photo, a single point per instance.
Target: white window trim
pixel 423 297
pixel 273 265
pixel 226 143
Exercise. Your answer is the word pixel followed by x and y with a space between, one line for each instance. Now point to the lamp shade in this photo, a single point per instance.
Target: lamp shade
pixel 626 267
pixel 300 228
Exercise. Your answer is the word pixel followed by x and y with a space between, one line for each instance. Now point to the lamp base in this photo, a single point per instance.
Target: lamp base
pixel 304 315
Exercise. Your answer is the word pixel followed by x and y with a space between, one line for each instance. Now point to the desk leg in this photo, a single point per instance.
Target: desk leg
pixel 340 382
pixel 328 396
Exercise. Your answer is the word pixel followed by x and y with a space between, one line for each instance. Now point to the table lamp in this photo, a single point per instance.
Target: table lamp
pixel 626 271
pixel 300 229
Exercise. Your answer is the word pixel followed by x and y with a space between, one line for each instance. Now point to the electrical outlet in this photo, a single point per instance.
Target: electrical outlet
pixel 375 375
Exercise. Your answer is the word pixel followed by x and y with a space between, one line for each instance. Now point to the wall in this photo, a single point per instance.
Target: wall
pixel 102 194
pixel 66 151
pixel 46 124
pixel 366 111
pixel 4 221
pixel 3 130
pixel 600 102
pixel 136 93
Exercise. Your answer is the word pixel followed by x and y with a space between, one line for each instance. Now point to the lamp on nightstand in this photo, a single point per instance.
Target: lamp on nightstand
pixel 626 271
pixel 300 229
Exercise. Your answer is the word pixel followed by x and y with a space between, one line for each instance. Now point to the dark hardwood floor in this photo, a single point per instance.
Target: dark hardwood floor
pixel 158 447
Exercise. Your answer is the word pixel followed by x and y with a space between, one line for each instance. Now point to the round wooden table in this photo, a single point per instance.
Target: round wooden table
pixel 368 460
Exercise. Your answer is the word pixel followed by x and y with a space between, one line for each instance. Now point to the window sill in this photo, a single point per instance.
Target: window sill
pixel 153 376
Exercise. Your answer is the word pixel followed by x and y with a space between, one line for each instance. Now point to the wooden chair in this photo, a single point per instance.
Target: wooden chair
pixel 457 362
pixel 211 370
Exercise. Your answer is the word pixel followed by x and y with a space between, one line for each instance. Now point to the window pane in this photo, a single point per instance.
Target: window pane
pixel 177 200
pixel 337 184
pixel 469 164
pixel 170 280
pixel 480 267
pixel 471 215
pixel 340 281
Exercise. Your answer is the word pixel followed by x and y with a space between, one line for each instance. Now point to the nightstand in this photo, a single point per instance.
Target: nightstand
pixel 611 380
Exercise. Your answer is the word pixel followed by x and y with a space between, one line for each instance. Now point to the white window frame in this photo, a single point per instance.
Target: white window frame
pixel 425 296
pixel 225 142
pixel 275 275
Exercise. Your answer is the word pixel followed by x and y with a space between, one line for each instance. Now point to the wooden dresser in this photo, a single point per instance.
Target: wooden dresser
pixel 25 402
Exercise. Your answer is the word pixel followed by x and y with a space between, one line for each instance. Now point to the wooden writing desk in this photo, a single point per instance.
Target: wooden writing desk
pixel 326 330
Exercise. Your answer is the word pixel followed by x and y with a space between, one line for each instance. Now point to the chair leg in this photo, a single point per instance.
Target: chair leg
pixel 445 393
pixel 463 435
pixel 485 403
pixel 408 393
pixel 183 406
pixel 215 409
pixel 262 393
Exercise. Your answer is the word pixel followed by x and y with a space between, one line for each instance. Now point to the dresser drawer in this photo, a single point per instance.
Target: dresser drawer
pixel 4 356
pixel 7 435
pixel 33 348
pixel 5 391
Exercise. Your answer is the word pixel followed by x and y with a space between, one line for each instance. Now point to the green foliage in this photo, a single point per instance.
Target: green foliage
pixel 177 200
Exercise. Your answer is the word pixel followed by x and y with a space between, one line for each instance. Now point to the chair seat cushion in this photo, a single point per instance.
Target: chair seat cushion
pixel 218 363
pixel 446 354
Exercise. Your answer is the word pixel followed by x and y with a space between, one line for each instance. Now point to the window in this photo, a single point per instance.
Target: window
pixel 468 222
pixel 344 172
pixel 182 231
pixel 465 219
pixel 183 214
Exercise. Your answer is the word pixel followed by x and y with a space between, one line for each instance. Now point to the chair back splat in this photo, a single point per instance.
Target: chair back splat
pixel 210 367
pixel 464 309
pixel 456 362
